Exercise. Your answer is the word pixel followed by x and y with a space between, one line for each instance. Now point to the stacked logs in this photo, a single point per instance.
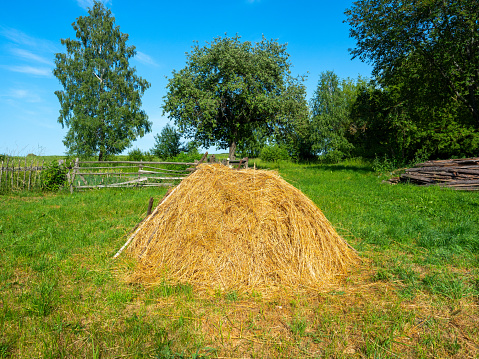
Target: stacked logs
pixel 460 174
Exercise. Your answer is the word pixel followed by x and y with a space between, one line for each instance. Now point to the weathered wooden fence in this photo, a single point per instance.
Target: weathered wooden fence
pixel 20 173
pixel 94 174
pixel 25 173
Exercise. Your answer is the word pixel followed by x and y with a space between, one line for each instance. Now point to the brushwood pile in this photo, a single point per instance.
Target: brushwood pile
pixel 460 174
pixel 246 230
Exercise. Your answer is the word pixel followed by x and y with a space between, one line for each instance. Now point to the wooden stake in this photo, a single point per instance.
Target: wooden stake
pixel 6 173
pixel 18 172
pixel 30 175
pixel 140 226
pixel 24 172
pixel 150 206
pixel 1 175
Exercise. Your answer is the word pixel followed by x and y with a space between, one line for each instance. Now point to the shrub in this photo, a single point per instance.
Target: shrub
pixel 186 157
pixel 54 176
pixel 136 155
pixel 332 157
pixel 274 153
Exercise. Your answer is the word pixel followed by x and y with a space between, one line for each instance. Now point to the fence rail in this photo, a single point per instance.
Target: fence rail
pixel 104 174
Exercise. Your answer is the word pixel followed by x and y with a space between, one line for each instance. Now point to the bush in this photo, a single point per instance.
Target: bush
pixel 137 155
pixel 332 157
pixel 274 153
pixel 54 176
pixel 187 157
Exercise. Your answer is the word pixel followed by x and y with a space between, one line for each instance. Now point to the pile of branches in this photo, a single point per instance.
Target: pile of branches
pixel 460 174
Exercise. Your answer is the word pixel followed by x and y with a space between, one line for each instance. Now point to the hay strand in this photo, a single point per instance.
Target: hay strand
pixel 239 229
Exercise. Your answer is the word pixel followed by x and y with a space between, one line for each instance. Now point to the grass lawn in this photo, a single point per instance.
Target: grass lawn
pixel 415 295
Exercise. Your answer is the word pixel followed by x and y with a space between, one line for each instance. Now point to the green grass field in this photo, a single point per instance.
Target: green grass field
pixel 416 295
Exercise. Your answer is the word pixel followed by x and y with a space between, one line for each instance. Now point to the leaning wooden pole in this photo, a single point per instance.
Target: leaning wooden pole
pixel 144 222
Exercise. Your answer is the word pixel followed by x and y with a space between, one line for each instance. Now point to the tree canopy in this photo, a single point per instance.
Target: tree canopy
pixel 331 121
pixel 167 143
pixel 229 90
pixel 425 56
pixel 101 96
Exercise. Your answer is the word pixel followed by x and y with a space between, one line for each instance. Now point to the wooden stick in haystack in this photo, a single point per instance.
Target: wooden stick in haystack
pixel 139 226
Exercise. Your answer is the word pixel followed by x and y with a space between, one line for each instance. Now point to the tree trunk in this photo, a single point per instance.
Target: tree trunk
pixel 232 153
pixel 101 156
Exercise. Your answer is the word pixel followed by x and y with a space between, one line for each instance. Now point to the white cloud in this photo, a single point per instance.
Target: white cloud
pixel 145 59
pixel 37 71
pixel 22 94
pixel 28 55
pixel 20 38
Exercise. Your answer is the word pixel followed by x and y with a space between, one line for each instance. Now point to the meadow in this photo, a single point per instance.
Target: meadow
pixel 415 295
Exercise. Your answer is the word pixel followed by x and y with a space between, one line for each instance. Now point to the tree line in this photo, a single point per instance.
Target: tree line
pixel 421 101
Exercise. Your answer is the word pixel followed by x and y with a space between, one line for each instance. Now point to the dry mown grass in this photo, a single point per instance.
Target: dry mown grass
pixel 359 318
pixel 246 230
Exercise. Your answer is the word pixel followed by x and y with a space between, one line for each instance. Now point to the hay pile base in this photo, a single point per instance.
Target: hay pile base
pixel 244 230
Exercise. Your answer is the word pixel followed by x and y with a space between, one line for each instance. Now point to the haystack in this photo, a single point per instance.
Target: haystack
pixel 239 229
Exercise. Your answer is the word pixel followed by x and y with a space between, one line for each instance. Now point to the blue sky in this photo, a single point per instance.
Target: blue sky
pixel 162 31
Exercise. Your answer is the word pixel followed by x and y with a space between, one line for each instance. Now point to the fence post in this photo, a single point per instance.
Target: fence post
pixel 36 174
pixel 18 172
pixel 24 172
pixel 13 172
pixel 75 167
pixel 40 175
pixel 6 173
pixel 30 174
pixel 1 175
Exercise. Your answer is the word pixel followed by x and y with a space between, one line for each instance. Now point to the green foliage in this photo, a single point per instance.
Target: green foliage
pixel 385 164
pixel 273 153
pixel 101 97
pixel 331 116
pixel 138 155
pixel 135 155
pixel 186 157
pixel 54 176
pixel 425 58
pixel 229 91
pixel 168 143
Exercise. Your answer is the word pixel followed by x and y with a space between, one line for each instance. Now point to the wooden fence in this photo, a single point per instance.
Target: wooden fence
pixel 18 173
pixel 94 174
pixel 104 174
